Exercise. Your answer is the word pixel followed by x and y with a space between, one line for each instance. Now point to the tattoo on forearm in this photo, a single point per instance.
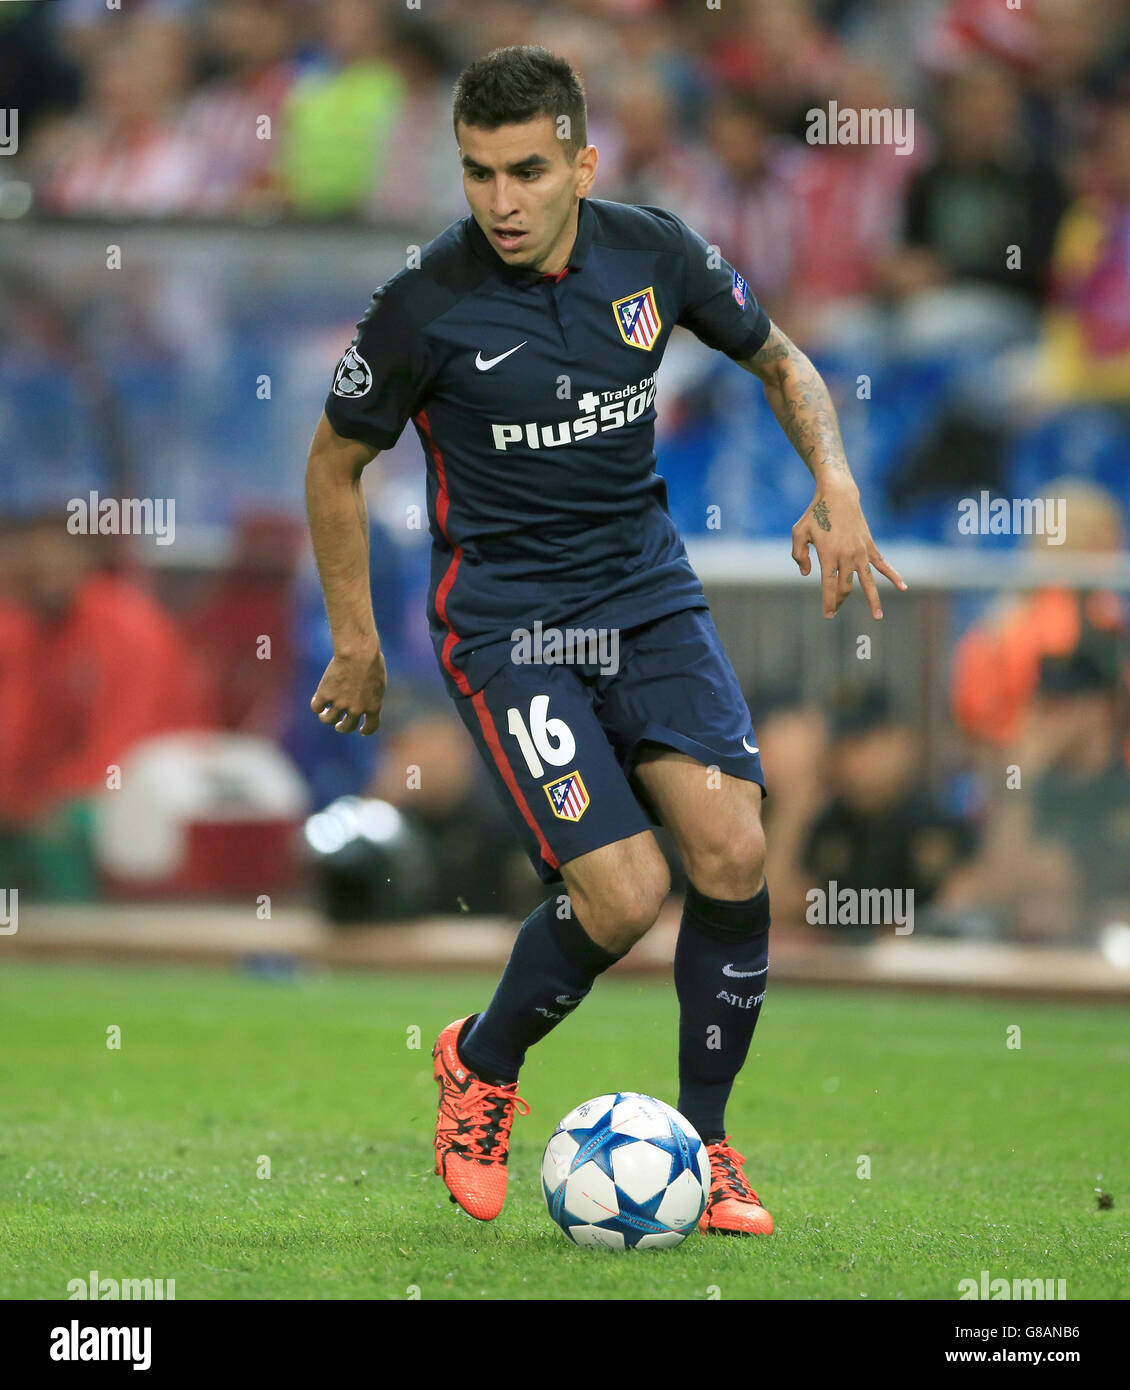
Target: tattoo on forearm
pixel 771 352
pixel 820 512
pixel 803 406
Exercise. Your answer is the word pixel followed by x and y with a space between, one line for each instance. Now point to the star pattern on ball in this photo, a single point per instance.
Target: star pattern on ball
pixel 625 1170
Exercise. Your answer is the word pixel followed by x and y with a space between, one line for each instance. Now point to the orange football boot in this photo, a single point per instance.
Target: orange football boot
pixel 733 1208
pixel 472 1129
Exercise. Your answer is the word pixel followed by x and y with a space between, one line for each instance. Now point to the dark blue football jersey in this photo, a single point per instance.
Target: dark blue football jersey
pixel 534 399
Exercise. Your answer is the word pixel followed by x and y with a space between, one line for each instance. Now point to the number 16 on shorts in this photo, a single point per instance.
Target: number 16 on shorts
pixel 546 739
pixel 554 767
pixel 550 741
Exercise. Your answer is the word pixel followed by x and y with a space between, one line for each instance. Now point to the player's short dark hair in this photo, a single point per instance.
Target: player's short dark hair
pixel 512 85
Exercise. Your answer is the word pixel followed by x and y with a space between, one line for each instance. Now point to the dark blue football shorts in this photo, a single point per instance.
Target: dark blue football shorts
pixel 561 740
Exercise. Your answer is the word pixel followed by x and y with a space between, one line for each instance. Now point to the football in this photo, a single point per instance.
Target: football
pixel 625 1171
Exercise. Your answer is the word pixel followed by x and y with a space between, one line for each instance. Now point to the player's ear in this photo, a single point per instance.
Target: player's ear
pixel 586 167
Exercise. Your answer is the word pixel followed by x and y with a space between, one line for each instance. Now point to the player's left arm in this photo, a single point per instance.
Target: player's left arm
pixel 834 522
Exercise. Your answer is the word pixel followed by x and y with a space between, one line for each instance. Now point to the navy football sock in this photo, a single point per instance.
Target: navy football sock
pixel 551 968
pixel 721 965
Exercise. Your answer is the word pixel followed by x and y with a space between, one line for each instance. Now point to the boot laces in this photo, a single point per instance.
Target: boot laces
pixel 491 1115
pixel 731 1180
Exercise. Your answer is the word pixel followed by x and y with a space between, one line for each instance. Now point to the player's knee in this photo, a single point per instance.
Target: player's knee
pixel 632 913
pixel 731 866
pixel 626 905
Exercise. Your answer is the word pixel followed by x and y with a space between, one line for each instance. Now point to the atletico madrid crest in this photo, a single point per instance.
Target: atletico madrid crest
pixel 637 318
pixel 568 796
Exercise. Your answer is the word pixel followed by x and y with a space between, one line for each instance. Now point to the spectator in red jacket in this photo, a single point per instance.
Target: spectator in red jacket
pixel 89 664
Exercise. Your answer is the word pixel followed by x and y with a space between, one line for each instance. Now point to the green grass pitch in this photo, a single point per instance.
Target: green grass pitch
pixel 144 1161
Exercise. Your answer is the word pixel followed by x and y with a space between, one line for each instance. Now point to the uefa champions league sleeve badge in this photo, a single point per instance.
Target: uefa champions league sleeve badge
pixel 354 376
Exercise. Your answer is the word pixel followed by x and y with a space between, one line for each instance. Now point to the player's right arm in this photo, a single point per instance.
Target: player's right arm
pixel 378 386
pixel 353 686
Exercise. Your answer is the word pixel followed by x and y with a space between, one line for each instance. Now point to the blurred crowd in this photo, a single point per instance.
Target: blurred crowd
pixel 1020 830
pixel 993 257
pixel 329 109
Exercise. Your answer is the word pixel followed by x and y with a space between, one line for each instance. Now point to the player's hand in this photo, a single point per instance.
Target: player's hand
pixel 352 690
pixel 836 526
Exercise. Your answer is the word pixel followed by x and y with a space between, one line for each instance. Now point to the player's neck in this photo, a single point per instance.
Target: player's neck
pixel 558 257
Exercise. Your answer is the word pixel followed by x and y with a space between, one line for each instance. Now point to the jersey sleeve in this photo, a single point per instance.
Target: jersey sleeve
pixel 718 306
pixel 384 376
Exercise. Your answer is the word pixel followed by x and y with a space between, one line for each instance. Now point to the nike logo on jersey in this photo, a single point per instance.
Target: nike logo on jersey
pixel 750 748
pixel 485 364
pixel 742 974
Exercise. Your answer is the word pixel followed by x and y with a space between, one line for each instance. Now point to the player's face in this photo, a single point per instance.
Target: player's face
pixel 523 190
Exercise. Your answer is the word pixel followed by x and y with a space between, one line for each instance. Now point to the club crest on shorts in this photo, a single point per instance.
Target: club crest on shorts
pixel 637 318
pixel 354 375
pixel 568 796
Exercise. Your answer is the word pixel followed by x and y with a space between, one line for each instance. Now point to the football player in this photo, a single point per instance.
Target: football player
pixel 523 346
